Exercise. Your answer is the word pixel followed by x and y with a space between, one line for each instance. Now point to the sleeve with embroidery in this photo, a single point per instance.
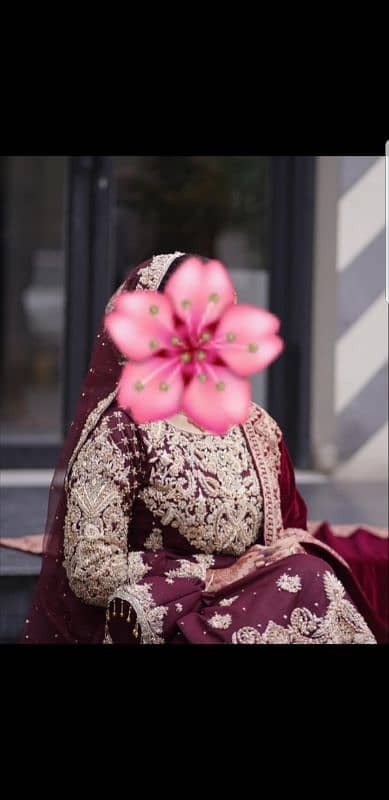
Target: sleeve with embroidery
pixel 100 491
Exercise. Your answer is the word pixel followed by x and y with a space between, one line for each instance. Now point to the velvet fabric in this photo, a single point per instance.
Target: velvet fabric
pixel 58 616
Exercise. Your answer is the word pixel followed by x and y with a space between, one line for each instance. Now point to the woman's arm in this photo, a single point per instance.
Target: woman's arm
pixel 100 493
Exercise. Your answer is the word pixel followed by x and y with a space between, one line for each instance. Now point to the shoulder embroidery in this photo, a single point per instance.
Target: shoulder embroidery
pixel 91 422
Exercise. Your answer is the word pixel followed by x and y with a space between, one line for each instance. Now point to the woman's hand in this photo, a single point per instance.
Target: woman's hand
pixel 255 557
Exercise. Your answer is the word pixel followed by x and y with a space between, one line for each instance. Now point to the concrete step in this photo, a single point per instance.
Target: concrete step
pixel 16 592
pixel 22 511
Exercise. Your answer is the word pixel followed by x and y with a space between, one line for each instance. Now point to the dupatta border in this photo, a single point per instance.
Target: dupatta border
pixel 263 437
pixel 149 278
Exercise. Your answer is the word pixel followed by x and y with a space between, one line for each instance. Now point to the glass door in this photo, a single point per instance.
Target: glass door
pixel 33 300
pixel 216 206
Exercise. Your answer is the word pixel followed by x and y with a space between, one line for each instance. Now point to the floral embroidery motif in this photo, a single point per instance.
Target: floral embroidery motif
pixel 148 616
pixel 289 583
pixel 155 540
pixel 341 624
pixel 228 601
pixel 100 490
pixel 151 276
pixel 137 569
pixel 204 485
pixel 222 621
pixel 179 607
pixel 190 569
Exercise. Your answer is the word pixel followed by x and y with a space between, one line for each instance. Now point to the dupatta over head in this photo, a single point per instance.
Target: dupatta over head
pixel 56 613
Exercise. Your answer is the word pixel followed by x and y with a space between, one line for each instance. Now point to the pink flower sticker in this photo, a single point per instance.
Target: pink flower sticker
pixel 191 348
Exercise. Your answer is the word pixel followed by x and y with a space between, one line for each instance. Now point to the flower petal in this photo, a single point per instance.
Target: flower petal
pixel 219 401
pixel 152 389
pixel 199 292
pixel 141 324
pixel 246 339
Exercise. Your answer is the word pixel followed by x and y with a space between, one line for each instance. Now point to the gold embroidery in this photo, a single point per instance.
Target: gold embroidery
pixel 228 601
pixel 154 540
pixel 99 504
pixel 149 277
pixel 263 438
pixel 204 485
pixel 341 624
pixel 137 569
pixel 152 275
pixel 149 616
pixel 222 621
pixel 289 583
pixel 190 569
pixel 90 424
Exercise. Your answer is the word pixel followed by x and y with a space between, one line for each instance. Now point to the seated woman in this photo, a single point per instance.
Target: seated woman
pixel 164 533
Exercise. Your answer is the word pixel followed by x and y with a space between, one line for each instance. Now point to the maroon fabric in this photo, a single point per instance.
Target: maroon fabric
pixel 244 610
pixel 367 556
pixel 56 615
pixel 293 507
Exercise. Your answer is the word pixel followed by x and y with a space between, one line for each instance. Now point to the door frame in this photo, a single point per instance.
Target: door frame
pixel 90 279
pixel 292 207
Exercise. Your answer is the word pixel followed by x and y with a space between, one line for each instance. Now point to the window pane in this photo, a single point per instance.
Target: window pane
pixel 33 298
pixel 216 206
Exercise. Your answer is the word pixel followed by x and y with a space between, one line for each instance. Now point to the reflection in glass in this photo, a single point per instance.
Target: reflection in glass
pixel 33 298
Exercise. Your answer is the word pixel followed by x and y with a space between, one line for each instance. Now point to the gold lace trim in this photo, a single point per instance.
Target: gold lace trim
pixel 151 276
pixel 149 617
pixel 263 438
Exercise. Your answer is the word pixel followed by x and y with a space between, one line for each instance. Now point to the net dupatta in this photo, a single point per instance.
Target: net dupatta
pixel 56 615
